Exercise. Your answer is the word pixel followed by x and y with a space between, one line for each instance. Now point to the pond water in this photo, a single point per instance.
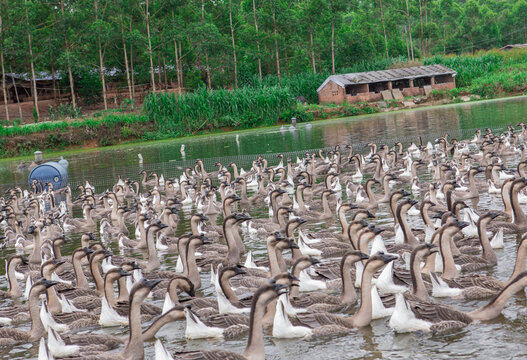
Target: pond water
pixel 502 337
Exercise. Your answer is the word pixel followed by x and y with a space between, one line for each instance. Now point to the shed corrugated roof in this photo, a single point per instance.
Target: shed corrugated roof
pixel 388 75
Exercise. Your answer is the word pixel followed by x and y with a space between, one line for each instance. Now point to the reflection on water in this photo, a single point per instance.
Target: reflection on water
pixel 502 337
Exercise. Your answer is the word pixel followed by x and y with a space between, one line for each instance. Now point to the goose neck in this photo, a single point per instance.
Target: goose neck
pixel 37 328
pixel 449 267
pixel 14 288
pixel 487 253
pixel 348 295
pixel 193 273
pixel 364 314
pixel 418 285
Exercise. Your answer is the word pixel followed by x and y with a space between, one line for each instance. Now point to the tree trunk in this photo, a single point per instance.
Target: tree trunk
pixel 276 47
pixel 17 98
pixel 384 31
pixel 421 31
pixel 233 47
pixel 147 21
pixel 132 65
pixel 165 73
pixel 101 60
pixel 126 59
pixel 4 91
pixel 54 83
pixel 159 72
pixel 207 67
pixel 332 45
pixel 182 83
pixel 32 65
pixel 177 61
pixel 410 30
pixel 70 73
pixel 257 41
pixel 313 63
pixel 444 38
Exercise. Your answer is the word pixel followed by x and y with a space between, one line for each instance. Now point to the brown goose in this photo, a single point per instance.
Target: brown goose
pixel 10 336
pixel 363 316
pixel 255 344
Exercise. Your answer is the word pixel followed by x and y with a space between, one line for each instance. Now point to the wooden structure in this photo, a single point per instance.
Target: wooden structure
pixel 19 86
pixel 385 84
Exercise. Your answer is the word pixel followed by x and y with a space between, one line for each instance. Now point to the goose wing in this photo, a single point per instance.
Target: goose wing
pixel 225 320
pixel 436 313
pixel 208 355
pixel 314 320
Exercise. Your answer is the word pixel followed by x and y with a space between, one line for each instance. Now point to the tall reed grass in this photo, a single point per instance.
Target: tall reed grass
pixel 203 109
pixel 500 70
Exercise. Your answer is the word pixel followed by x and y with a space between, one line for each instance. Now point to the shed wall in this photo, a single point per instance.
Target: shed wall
pixel 331 94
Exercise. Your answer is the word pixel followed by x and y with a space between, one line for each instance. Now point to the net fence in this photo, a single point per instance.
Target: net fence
pixel 105 178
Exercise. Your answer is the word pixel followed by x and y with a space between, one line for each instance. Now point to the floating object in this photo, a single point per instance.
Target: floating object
pixel 308 126
pixel 51 172
pixel 64 162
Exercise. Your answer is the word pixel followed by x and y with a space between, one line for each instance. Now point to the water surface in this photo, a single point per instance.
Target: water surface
pixel 503 337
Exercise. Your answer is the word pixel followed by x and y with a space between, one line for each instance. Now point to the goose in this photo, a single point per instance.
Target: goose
pixel 148 311
pixel 10 336
pixel 411 316
pixel 134 348
pixel 14 289
pixel 314 301
pixel 255 344
pixel 183 283
pixel 363 316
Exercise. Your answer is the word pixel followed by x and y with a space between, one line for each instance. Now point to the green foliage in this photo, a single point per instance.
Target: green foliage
pixel 64 111
pixel 300 113
pixel 188 113
pixel 35 114
pixel 127 105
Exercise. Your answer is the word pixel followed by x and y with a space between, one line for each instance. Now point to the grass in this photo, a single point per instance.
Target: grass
pixel 63 126
pixel 488 74
pixel 207 110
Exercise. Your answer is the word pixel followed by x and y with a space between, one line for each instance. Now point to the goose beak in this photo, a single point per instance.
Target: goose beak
pixel 151 283
pixel 293 244
pixel 280 288
pixel 25 260
pixel 88 251
pixel 413 202
pixel 238 270
pixel 49 283
pixel 58 262
pixel 314 261
pixel 462 224
pixel 300 221
pixel 377 230
pixel 363 256
pixel 388 257
pixel 124 273
pixel 494 215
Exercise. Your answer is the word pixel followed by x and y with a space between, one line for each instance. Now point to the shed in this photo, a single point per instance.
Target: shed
pixel 51 172
pixel 380 85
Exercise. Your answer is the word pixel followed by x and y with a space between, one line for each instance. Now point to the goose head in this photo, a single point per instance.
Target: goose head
pixel 182 283
pixel 378 260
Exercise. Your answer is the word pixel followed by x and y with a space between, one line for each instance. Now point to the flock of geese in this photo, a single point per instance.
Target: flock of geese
pixel 308 283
